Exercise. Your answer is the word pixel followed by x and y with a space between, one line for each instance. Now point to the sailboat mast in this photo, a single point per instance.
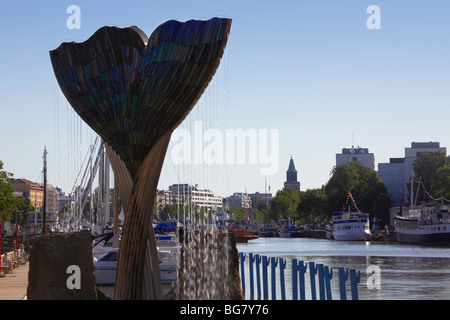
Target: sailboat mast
pixel 265 191
pixel 411 200
pixel 116 216
pixel 45 191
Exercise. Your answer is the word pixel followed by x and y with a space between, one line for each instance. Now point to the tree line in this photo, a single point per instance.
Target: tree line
pixel 9 204
pixel 368 190
pixel 432 178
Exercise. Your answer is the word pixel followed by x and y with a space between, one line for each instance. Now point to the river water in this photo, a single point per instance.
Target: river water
pixel 405 271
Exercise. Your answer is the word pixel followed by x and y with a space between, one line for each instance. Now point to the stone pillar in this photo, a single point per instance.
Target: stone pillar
pixel 62 268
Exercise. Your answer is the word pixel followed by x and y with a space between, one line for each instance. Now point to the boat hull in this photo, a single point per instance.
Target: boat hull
pixel 351 236
pixel 419 236
pixel 291 234
pixel 296 234
pixel 266 234
pixel 421 231
pixel 243 236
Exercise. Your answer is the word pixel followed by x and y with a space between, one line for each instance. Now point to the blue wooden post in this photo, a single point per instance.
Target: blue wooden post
pixel 328 276
pixel 273 265
pixel 258 277
pixel 354 280
pixel 343 277
pixel 265 263
pixel 302 270
pixel 282 284
pixel 242 257
pixel 321 281
pixel 312 276
pixel 251 259
pixel 294 269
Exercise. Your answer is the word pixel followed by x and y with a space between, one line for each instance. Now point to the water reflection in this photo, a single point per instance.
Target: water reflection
pixel 407 272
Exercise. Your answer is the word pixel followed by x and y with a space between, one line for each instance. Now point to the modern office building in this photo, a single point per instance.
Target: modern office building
pixel 291 177
pixel 397 173
pixel 358 154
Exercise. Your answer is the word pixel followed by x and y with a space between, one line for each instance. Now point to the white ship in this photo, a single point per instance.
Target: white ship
pixel 350 224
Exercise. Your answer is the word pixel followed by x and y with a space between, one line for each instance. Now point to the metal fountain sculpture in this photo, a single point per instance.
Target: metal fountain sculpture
pixel 134 91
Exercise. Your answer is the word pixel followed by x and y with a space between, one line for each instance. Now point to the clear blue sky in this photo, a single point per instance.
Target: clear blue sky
pixel 310 69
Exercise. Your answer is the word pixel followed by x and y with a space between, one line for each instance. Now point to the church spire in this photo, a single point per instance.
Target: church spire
pixel 291 167
pixel 291 176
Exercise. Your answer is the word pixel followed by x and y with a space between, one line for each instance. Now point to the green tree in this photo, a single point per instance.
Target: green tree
pixel 368 190
pixel 240 214
pixel 426 168
pixel 7 199
pixel 24 206
pixel 441 182
pixel 313 204
pixel 261 209
pixel 284 204
pixel 172 211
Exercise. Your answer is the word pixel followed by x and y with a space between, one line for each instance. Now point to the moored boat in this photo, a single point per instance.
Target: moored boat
pixel 169 252
pixel 289 230
pixel 243 235
pixel 103 243
pixel 266 233
pixel 268 230
pixel 425 224
pixel 350 224
pixel 428 224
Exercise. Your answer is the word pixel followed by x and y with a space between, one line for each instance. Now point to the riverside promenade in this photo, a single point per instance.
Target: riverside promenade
pixel 14 285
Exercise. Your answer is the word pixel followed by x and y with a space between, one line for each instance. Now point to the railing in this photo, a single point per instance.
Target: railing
pixel 298 269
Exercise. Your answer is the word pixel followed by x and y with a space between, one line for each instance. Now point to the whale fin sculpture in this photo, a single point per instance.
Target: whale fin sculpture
pixel 134 91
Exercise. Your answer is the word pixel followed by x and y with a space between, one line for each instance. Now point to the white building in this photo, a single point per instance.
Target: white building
pixel 190 195
pixel 358 154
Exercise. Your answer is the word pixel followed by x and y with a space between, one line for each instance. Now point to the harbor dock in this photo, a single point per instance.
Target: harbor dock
pixel 14 285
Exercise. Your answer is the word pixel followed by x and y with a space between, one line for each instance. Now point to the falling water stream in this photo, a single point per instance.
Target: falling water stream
pixel 205 263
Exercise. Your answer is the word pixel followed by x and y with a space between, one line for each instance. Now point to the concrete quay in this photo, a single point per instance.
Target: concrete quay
pixel 14 285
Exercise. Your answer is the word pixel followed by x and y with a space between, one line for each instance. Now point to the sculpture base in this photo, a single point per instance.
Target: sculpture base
pixel 51 276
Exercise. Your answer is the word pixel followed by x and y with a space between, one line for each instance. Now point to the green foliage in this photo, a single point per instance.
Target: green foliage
pixel 24 206
pixel 284 204
pixel 313 204
pixel 7 199
pixel 427 165
pixel 260 210
pixel 368 190
pixel 432 168
pixel 240 214
pixel 442 182
pixel 260 205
